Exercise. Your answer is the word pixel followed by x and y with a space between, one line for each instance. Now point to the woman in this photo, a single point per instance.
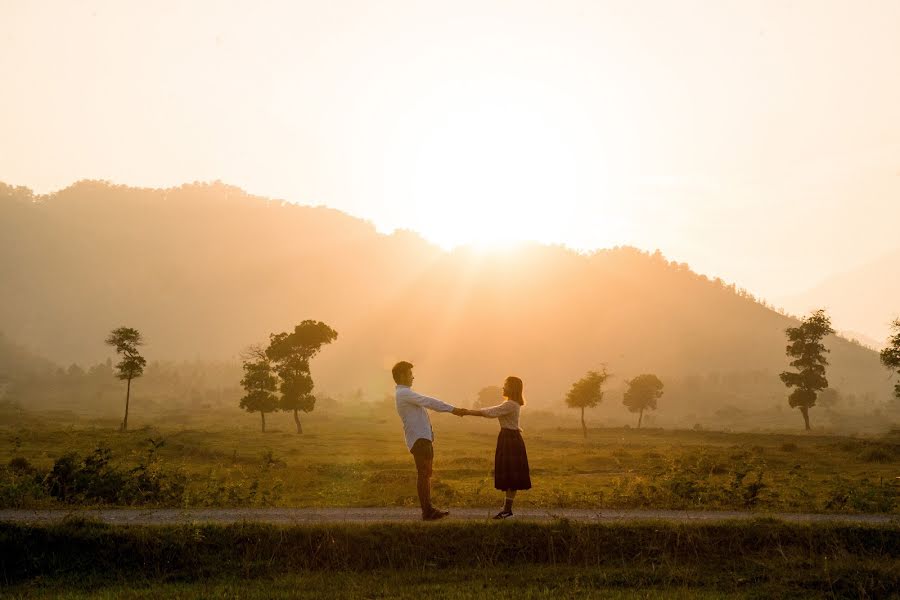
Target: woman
pixel 510 460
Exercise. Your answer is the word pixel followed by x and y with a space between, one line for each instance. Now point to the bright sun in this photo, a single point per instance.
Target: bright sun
pixel 493 176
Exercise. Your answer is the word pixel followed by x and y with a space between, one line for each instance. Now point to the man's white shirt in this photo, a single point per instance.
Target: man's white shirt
pixel 411 408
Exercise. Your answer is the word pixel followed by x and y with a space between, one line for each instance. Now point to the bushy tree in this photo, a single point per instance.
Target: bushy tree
pixel 489 396
pixel 806 349
pixel 890 355
pixel 829 398
pixel 259 383
pixel 290 354
pixel 126 341
pixel 642 393
pixel 587 392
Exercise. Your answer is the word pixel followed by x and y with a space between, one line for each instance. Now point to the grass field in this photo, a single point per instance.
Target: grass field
pixel 539 583
pixel 761 559
pixel 363 461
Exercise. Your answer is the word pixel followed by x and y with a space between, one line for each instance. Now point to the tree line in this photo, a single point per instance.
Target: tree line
pixel 277 376
pixel 807 382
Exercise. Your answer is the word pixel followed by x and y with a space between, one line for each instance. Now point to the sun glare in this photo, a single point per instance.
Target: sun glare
pixel 491 177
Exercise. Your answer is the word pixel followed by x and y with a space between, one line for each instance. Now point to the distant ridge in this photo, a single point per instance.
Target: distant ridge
pixel 863 301
pixel 205 269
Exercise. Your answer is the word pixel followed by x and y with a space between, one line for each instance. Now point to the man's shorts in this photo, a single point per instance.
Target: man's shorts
pixel 422 449
pixel 423 453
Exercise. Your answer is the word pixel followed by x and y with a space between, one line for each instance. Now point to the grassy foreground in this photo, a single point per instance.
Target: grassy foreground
pixel 456 584
pixel 362 461
pixel 763 558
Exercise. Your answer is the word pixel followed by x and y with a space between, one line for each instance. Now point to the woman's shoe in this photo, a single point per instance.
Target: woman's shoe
pixel 503 514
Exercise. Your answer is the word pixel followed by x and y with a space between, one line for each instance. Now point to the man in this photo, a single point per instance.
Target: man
pixel 419 434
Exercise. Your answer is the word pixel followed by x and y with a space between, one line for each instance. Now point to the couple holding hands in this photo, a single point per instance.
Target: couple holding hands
pixel 511 471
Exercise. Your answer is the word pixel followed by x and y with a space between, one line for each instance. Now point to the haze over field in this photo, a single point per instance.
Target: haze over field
pixel 492 181
pixel 206 270
pixel 858 299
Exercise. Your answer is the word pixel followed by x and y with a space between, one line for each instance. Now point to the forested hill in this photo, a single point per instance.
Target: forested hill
pixel 204 270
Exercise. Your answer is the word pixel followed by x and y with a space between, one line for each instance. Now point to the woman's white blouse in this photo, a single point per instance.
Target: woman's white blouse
pixel 507 413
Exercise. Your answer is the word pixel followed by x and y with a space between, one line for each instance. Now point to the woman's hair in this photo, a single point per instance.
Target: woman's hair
pixel 515 390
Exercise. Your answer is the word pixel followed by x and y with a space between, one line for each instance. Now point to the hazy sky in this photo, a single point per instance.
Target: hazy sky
pixel 758 141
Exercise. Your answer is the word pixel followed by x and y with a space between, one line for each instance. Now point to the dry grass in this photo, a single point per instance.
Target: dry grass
pixel 364 462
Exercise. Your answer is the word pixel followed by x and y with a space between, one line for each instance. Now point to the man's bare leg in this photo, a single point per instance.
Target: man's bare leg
pixel 424 463
pixel 423 487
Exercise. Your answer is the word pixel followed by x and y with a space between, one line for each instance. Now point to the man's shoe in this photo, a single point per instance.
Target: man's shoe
pixel 503 514
pixel 435 515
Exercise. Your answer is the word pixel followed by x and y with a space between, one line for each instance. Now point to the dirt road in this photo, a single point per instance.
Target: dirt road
pixel 298 516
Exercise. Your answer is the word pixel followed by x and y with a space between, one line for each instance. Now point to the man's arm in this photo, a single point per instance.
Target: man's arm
pixel 428 402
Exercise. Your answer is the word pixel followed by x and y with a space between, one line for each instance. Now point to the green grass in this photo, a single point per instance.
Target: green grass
pixel 763 558
pixel 364 462
pixel 455 584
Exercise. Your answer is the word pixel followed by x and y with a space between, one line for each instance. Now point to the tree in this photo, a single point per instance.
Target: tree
pixel 126 341
pixel 587 392
pixel 642 393
pixel 488 396
pixel 290 354
pixel 808 353
pixel 890 355
pixel 260 384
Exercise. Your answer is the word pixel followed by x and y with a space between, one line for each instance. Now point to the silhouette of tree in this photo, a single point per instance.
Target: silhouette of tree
pixel 587 392
pixel 260 384
pixel 806 348
pixel 829 398
pixel 642 394
pixel 126 341
pixel 489 396
pixel 890 355
pixel 75 371
pixel 290 354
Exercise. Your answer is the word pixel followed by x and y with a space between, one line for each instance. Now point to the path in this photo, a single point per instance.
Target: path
pixel 299 516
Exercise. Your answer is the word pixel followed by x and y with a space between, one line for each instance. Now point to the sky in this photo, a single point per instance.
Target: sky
pixel 756 141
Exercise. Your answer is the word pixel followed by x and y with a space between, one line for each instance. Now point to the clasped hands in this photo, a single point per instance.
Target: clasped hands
pixel 462 412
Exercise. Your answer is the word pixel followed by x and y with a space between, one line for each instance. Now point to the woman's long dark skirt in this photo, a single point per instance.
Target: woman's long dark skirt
pixel 511 462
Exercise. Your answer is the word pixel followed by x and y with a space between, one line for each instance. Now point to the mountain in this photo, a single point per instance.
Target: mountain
pixel 17 363
pixel 862 302
pixel 203 270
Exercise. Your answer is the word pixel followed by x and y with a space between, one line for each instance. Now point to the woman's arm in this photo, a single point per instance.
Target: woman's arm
pixel 492 412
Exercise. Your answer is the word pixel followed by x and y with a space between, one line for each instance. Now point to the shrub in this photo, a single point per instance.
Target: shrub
pixel 862 496
pixel 876 454
pixel 20 466
pixel 20 484
pixel 94 480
